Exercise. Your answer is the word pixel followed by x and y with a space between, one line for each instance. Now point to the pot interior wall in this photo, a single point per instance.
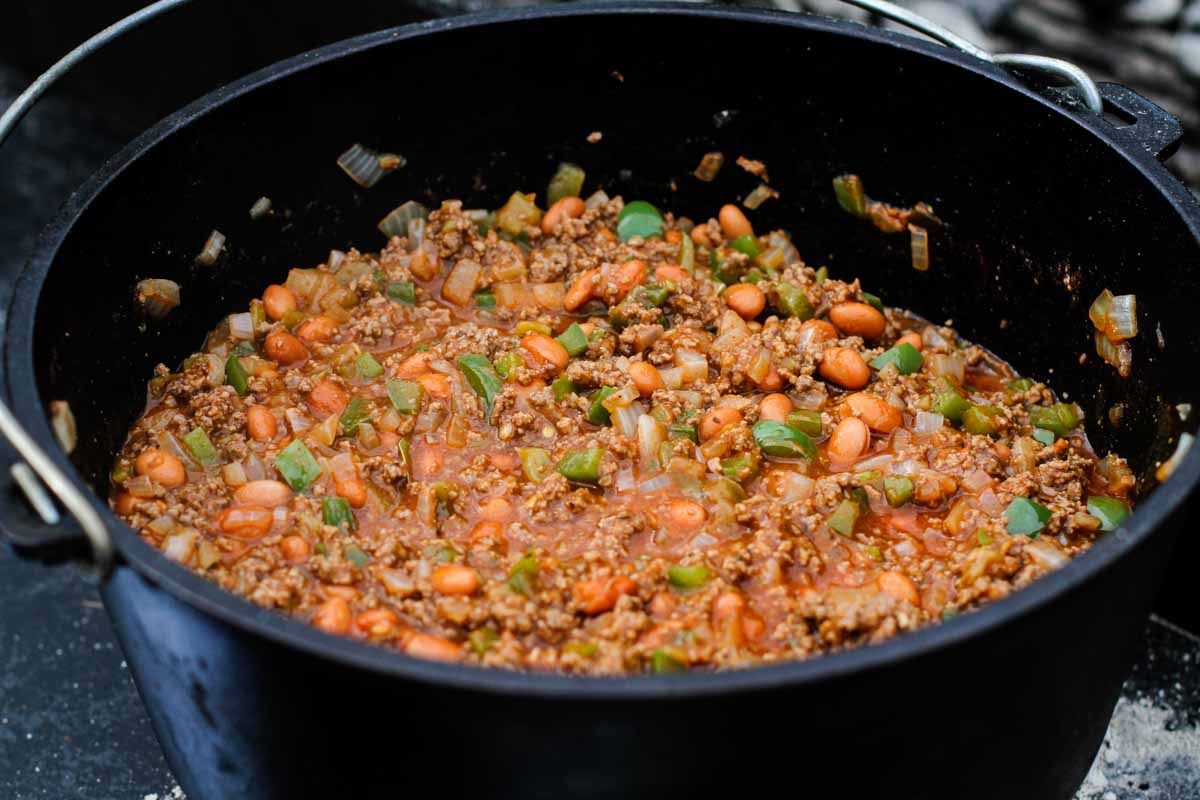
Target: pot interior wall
pixel 1040 215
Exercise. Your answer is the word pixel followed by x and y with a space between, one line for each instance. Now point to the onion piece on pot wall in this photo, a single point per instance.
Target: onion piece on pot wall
pixel 212 249
pixel 62 421
pixel 157 297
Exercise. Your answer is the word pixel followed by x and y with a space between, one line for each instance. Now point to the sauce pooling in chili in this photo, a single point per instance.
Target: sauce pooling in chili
pixel 601 439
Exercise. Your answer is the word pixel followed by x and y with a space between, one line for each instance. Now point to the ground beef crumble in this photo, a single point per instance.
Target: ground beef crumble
pixel 623 506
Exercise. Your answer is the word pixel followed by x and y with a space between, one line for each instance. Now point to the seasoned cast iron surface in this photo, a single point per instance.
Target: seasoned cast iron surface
pixel 71 724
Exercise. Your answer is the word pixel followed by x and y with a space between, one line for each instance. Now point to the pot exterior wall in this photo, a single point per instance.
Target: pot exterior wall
pixel 1018 712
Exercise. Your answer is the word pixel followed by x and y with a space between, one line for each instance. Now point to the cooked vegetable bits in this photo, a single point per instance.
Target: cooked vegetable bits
pixel 589 435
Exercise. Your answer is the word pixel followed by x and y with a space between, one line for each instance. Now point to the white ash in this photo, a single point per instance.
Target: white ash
pixel 1147 754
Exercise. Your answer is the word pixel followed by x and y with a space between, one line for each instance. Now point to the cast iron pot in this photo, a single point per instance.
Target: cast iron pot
pixel 1044 205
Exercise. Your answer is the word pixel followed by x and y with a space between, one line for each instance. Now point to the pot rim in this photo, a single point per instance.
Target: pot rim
pixel 209 598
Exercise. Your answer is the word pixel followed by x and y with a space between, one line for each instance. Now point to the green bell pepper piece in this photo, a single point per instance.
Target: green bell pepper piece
pixel 573 339
pixel 907 359
pixel 481 377
pixel 1109 510
pixel 805 420
pixel 236 376
pixel 405 395
pixel 897 489
pixel 783 441
pixel 403 292
pixel 201 447
pixel 1026 517
pixel 691 577
pixel 567 182
pixel 582 466
pixel 297 466
pixel 639 218
pixel 597 413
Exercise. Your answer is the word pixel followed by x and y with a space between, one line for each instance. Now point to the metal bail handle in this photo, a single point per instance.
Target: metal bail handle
pixel 1064 70
pixel 35 460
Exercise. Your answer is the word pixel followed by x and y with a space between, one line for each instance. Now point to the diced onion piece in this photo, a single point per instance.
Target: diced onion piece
pixel 216 369
pixel 760 365
pixel 1046 553
pixel 62 420
pixel 646 336
pixel 662 481
pixel 341 468
pixel 1098 311
pixel 326 432
pixel 933 339
pixel 396 582
pixel 241 326
pixel 949 366
pixel 792 487
pixel 297 420
pixel 396 223
pixel 180 546
pixel 518 213
pixel 509 271
pixel 919 243
pixel 261 207
pixel 694 366
pixel 703 540
pixel 976 480
pixel 548 295
pixel 1117 354
pixel 162 526
pixel 905 548
pixel 460 284
pixel 139 486
pixel 362 165
pixel 513 295
pixel 157 296
pixel 906 467
pixel 254 468
pixel 623 480
pixel 625 419
pixel 1165 469
pixel 650 434
pixel 692 399
pixel 1122 318
pixel 710 165
pixel 457 431
pixel 761 194
pixel 621 398
pixel 168 442
pixel 989 502
pixel 880 463
pixel 212 249
pixel 928 423
pixel 597 199
pixel 234 474
pixel 672 377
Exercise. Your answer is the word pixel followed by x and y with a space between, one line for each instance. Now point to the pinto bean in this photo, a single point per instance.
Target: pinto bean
pixel 733 222
pixel 161 467
pixel 277 301
pixel 848 441
pixel 844 367
pixel 880 416
pixel 718 420
pixel 566 208
pixel 858 319
pixel 265 493
pixel 746 299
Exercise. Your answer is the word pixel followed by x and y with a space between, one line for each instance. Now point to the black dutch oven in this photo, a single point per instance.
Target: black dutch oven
pixel 1045 206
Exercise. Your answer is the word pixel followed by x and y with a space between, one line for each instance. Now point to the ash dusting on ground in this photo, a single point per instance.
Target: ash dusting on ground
pixel 1152 749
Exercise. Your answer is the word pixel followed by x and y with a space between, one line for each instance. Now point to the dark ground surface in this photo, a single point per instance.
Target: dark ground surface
pixel 71 723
